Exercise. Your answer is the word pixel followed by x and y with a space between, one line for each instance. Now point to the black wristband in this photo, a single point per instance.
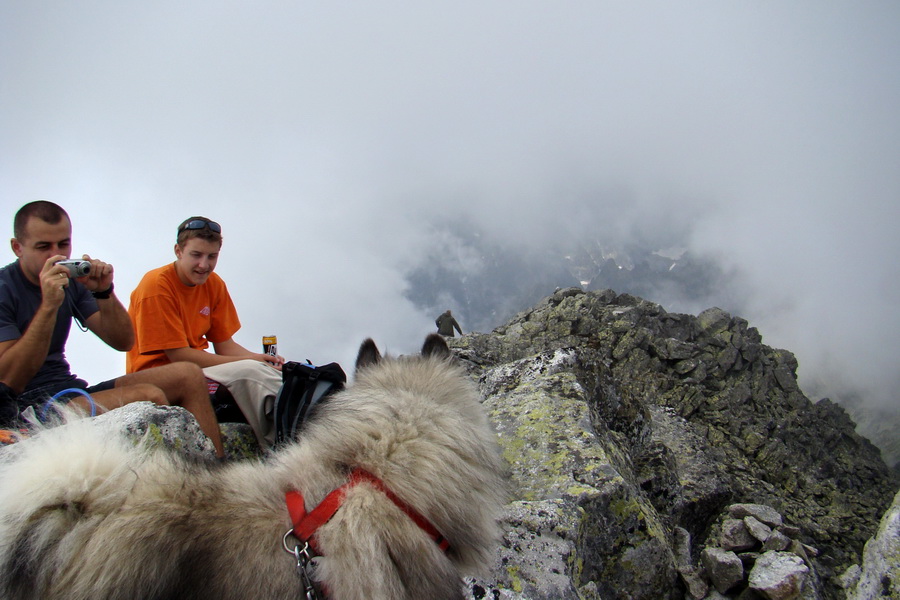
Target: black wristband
pixel 103 295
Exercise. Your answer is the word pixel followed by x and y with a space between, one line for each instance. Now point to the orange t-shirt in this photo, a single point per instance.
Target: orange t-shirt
pixel 168 314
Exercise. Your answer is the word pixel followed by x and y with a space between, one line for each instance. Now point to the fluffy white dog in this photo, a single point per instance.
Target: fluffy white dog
pixel 87 516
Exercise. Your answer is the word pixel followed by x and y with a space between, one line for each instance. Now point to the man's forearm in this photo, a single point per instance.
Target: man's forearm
pixel 200 358
pixel 234 350
pixel 231 348
pixel 22 359
pixel 114 325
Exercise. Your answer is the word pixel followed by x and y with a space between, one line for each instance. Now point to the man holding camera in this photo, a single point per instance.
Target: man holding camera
pixel 38 300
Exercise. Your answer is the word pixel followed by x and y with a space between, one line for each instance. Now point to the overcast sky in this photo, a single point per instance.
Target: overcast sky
pixel 326 136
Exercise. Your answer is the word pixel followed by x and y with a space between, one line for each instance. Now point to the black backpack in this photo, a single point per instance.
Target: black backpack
pixel 9 408
pixel 303 386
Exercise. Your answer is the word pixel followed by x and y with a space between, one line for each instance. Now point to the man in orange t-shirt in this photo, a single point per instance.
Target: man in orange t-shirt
pixel 180 308
pixel 171 315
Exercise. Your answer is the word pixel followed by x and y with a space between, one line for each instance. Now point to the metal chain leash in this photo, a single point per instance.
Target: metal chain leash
pixel 303 558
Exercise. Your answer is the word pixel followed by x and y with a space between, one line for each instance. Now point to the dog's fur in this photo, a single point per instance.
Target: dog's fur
pixel 86 515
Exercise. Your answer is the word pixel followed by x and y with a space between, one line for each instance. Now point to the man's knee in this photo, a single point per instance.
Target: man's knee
pixel 146 392
pixel 185 370
pixel 182 378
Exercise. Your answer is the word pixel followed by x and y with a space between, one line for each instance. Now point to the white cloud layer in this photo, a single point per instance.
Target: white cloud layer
pixel 325 136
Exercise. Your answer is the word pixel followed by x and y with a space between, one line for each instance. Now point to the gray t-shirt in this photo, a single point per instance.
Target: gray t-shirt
pixel 19 301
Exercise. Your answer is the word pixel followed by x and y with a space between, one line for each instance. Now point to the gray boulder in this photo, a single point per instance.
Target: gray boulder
pixel 723 567
pixel 778 575
pixel 167 426
pixel 610 534
pixel 879 574
pixel 763 514
pixel 175 428
pixel 737 536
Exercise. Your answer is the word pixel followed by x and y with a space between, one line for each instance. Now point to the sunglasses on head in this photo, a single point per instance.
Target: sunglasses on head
pixel 201 224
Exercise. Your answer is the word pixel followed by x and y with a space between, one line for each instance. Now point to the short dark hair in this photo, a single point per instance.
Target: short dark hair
pixel 204 234
pixel 42 209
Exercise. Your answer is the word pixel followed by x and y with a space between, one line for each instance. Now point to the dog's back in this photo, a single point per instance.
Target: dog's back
pixel 58 487
pixel 75 502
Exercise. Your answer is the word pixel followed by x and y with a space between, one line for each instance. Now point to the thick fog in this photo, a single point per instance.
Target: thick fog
pixel 332 139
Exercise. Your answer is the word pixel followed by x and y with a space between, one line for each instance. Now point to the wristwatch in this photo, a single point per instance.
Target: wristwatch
pixel 105 294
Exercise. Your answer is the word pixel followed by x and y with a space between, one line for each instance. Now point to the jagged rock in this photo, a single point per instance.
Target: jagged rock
pixel 764 514
pixel 772 445
pixel 778 575
pixel 175 428
pixel 547 435
pixel 757 529
pixel 539 541
pixel 736 536
pixel 476 590
pixel 724 568
pixel 748 559
pixel 790 531
pixel 681 547
pixel 531 403
pixel 849 579
pixel 672 349
pixel 879 575
pixel 169 426
pixel 680 473
pixel 697 588
pixel 878 423
pixel 809 551
pixel 776 541
pixel 713 320
pixel 240 442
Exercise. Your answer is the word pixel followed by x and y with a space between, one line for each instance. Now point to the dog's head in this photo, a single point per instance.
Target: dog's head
pixel 416 423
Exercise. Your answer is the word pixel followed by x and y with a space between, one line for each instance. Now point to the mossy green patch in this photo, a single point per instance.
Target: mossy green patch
pixel 546 436
pixel 515 581
pixel 158 439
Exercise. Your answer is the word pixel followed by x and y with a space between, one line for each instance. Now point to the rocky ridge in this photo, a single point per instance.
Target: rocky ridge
pixel 653 456
pixel 628 428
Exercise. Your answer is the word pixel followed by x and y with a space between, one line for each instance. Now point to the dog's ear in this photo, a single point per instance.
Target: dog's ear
pixel 368 354
pixel 435 346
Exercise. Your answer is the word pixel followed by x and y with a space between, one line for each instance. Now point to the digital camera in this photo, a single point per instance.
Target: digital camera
pixel 77 268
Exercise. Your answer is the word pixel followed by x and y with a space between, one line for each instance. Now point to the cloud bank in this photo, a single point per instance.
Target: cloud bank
pixel 327 137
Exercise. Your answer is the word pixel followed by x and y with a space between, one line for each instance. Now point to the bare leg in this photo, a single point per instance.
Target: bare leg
pixel 120 396
pixel 181 384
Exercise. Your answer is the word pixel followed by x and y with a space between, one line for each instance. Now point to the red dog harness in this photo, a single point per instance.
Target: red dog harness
pixel 306 525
